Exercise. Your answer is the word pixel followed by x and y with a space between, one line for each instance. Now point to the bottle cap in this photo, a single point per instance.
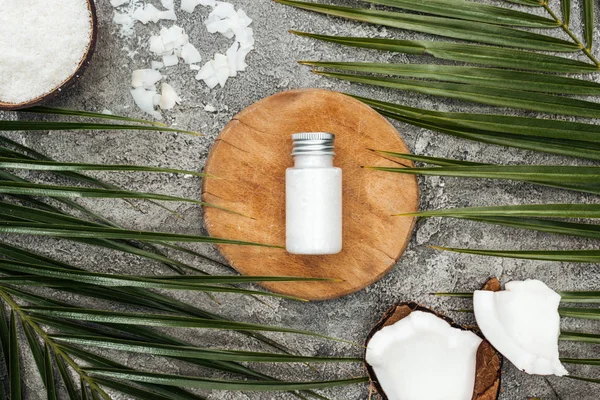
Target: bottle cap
pixel 313 143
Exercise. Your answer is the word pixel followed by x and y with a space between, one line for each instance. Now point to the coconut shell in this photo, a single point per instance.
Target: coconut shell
pixel 489 361
pixel 83 64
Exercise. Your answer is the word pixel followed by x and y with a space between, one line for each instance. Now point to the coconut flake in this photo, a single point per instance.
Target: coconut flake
pixel 422 357
pixel 157 65
pixel 150 13
pixel 144 99
pixel 190 54
pixel 170 61
pixel 208 74
pixel 232 58
pixel 145 78
pixel 168 97
pixel 523 323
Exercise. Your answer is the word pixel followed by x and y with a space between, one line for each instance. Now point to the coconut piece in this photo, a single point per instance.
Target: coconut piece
pixel 241 58
pixel 190 54
pixel 144 99
pixel 232 58
pixel 145 78
pixel 195 67
pixel 484 386
pixel 150 13
pixel 208 74
pixel 168 97
pixel 221 67
pixel 157 65
pixel 170 61
pixel 523 323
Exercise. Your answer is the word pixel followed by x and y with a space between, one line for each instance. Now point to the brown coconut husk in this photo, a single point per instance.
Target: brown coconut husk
pixel 489 361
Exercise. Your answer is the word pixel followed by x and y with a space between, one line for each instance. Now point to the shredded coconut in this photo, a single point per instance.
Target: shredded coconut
pixel 41 45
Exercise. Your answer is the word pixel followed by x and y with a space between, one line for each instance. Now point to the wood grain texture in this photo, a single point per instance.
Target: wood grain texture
pixel 250 157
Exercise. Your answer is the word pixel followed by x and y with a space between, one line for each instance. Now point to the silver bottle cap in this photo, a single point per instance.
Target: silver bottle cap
pixel 313 143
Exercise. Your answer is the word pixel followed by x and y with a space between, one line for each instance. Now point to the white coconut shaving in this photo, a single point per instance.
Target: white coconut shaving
pixel 422 357
pixel 168 97
pixel 522 323
pixel 172 43
pixel 41 45
pixel 151 13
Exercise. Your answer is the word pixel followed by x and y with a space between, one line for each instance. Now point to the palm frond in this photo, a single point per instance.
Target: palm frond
pixel 478 76
pixel 447 27
pixel 471 53
pixel 588 17
pixel 472 12
pixel 195 382
pixel 493 96
pixel 566 11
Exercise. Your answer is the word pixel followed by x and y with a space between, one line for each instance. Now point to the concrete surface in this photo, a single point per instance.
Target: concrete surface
pixel 272 68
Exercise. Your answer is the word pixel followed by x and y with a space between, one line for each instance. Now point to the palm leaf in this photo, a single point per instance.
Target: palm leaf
pixel 590 297
pixel 85 114
pixel 479 94
pixel 486 77
pixel 37 189
pixel 527 127
pixel 76 231
pixel 14 370
pixel 588 17
pixel 158 320
pixel 447 27
pixel 581 256
pixel 190 381
pixel 566 11
pixel 472 12
pixel 524 210
pixel 58 166
pixel 194 352
pixel 66 378
pixel 581 361
pixel 49 375
pixel 138 393
pixel 471 53
pixel 582 313
pixel 27 126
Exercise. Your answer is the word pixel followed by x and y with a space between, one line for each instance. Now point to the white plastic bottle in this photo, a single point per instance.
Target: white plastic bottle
pixel 313 197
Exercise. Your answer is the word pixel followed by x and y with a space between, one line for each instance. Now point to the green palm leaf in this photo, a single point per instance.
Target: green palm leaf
pixel 83 126
pixel 76 231
pixel 85 114
pixel 580 297
pixel 448 27
pixel 581 256
pixel 582 313
pixel 194 352
pixel 36 189
pixel 524 210
pixel 58 166
pixel 486 77
pixel 49 375
pixel 66 378
pixel 485 95
pixel 588 16
pixel 14 370
pixel 581 361
pixel 471 53
pixel 472 12
pixel 190 381
pixel 158 320
pixel 566 11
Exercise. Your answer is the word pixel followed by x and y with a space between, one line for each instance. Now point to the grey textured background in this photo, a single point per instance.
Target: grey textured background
pixel 272 69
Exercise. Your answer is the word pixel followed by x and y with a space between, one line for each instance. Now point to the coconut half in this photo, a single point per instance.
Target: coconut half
pixel 522 323
pixel 44 48
pixel 414 353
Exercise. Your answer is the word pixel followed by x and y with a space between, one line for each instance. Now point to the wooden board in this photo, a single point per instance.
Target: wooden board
pixel 250 157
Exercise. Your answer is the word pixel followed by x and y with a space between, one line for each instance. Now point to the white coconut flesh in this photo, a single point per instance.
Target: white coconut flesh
pixel 523 324
pixel 42 44
pixel 423 357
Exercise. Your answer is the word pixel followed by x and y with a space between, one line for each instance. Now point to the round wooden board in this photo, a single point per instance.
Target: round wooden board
pixel 250 157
